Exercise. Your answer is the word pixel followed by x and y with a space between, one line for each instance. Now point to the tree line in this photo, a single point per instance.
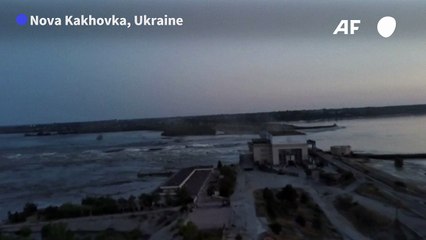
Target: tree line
pixel 95 206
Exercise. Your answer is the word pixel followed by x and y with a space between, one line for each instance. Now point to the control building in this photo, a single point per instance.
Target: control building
pixel 279 148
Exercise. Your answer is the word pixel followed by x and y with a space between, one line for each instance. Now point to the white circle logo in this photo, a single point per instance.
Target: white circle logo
pixel 386 26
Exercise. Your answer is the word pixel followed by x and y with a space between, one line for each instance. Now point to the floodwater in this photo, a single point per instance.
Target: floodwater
pixel 56 169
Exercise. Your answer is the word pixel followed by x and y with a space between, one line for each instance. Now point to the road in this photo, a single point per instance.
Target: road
pixel 413 219
pixel 243 206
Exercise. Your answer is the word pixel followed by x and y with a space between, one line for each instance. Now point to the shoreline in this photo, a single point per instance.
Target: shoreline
pixel 210 121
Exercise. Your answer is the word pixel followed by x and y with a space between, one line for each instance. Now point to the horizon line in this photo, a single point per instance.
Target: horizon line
pixel 208 115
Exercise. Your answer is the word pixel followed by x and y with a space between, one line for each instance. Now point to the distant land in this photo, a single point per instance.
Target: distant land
pixel 209 124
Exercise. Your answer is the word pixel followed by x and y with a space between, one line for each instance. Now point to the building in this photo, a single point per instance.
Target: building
pixel 192 179
pixel 279 148
pixel 261 150
pixel 342 150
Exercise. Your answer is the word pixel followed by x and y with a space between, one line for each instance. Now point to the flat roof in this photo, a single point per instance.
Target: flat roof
pixel 196 181
pixel 178 178
pixel 286 133
pixel 260 141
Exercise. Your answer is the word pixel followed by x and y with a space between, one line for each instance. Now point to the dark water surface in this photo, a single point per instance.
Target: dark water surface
pixel 57 169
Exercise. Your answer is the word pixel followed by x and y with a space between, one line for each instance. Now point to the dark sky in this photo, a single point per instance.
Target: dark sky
pixel 229 57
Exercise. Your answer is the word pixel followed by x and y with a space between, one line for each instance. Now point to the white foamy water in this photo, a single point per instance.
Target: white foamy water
pixel 57 169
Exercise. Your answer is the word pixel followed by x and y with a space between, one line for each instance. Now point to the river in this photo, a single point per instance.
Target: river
pixel 65 168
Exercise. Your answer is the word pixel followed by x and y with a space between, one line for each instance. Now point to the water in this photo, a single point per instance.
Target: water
pixel 57 169
pixel 382 135
pixel 377 135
